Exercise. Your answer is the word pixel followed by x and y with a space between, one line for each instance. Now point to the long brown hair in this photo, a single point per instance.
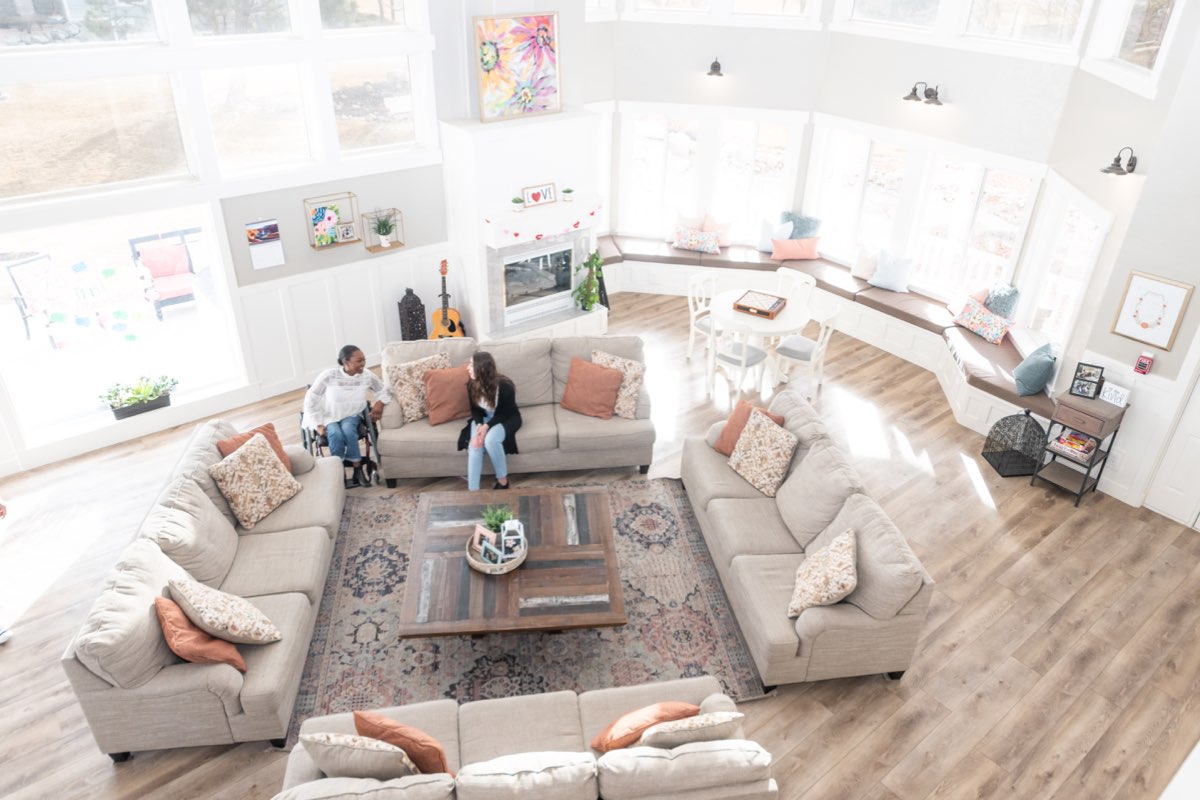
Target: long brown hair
pixel 483 387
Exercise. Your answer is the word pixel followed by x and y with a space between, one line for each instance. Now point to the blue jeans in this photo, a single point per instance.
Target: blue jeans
pixel 343 439
pixel 493 443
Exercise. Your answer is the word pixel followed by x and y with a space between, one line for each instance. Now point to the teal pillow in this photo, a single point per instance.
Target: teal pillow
pixel 1002 299
pixel 1035 371
pixel 891 272
pixel 802 227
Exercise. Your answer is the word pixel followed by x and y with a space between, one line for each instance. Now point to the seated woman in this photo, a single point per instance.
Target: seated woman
pixel 495 420
pixel 335 400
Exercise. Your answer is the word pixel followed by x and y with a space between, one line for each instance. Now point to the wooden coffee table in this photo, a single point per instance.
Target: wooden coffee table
pixel 568 580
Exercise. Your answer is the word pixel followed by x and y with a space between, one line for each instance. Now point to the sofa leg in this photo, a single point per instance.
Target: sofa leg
pixel 644 468
pixel 120 758
pixel 769 689
pixel 278 744
pixel 391 483
pixel 895 676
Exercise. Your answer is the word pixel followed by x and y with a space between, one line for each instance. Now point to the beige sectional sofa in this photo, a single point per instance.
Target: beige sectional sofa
pixel 136 693
pixel 551 437
pixel 537 746
pixel 757 542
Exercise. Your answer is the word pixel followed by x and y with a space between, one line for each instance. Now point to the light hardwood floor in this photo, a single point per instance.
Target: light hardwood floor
pixel 1060 659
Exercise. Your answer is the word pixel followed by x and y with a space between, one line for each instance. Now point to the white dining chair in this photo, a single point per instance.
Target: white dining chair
pixel 795 285
pixel 800 350
pixel 701 288
pixel 736 357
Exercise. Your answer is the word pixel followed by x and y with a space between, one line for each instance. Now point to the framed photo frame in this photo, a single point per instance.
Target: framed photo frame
pixel 540 195
pixel 347 232
pixel 1087 380
pixel 481 536
pixel 1151 309
pixel 517 66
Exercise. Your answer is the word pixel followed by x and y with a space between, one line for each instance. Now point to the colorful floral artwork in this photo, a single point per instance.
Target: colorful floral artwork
pixel 517 59
pixel 324 222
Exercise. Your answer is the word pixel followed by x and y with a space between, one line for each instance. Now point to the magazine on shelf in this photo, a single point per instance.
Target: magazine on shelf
pixel 1074 445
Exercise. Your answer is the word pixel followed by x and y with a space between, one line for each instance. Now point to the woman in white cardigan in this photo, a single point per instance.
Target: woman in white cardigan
pixel 335 400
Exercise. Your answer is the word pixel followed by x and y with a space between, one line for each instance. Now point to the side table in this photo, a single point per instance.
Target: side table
pixel 1095 418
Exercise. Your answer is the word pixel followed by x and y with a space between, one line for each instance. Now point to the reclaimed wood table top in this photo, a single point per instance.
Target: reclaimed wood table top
pixel 569 578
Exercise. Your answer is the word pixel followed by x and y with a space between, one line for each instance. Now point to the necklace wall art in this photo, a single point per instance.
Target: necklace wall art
pixel 1151 309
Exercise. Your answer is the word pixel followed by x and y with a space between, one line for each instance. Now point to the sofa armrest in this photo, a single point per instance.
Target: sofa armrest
pixel 843 640
pixel 392 417
pixel 633 773
pixel 302 460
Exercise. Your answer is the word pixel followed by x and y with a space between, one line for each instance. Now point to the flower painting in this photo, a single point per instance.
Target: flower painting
pixel 324 222
pixel 517 61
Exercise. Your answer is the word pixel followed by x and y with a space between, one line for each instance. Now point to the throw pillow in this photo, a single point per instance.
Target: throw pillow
pixel 694 223
pixel 1032 374
pixel 446 394
pixel 700 728
pixel 736 423
pixel 799 249
pixel 699 241
pixel 719 228
pixel 227 446
pixel 223 615
pixel 192 531
pixel 770 231
pixel 254 481
pixel 763 453
pixel 192 644
pixel 628 728
pixel 864 265
pixel 591 389
pixel 1002 299
pixel 343 755
pixel 891 272
pixel 425 751
pixel 978 320
pixel 802 227
pixel 408 384
pixel 826 576
pixel 632 375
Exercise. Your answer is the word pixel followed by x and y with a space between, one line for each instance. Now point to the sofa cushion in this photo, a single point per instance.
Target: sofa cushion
pixel 437 718
pixel 273 670
pixel 639 772
pixel 446 394
pixel 830 277
pixel 629 727
pixel 254 481
pixel 591 389
pixel 747 527
pixel 759 587
pixel 763 452
pixel 580 433
pixel 424 750
pixel 283 561
pixel 707 475
pixel 599 707
pixel 545 775
pixel 813 494
pixel 221 614
pixel 192 531
pixel 492 728
pixel 825 576
pixel 412 787
pixel 538 433
pixel 700 728
pixel 319 503
pixel 889 574
pixel 189 642
pixel 915 309
pixel 121 639
pixel 342 755
pixel 527 362
pixel 226 446
pixel 198 455
pixel 633 374
pixel 564 348
pixel 408 384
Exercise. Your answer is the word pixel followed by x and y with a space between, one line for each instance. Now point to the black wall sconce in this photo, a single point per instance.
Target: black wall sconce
pixel 930 94
pixel 1115 167
pixel 714 71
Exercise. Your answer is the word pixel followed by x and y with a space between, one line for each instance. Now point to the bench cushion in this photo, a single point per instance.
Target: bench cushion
pixel 989 367
pixel 634 248
pixel 831 277
pixel 606 246
pixel 739 257
pixel 915 309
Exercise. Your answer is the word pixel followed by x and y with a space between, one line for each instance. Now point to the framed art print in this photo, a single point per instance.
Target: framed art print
pixel 1151 309
pixel 517 65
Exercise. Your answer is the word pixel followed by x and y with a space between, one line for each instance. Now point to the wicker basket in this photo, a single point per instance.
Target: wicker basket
pixel 494 569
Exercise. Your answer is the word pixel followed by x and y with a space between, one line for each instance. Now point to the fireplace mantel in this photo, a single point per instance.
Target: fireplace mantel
pixel 505 228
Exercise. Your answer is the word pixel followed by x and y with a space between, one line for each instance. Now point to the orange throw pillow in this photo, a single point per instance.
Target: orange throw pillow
pixel 192 644
pixel 591 389
pixel 446 395
pixel 227 446
pixel 629 728
pixel 422 749
pixel 736 424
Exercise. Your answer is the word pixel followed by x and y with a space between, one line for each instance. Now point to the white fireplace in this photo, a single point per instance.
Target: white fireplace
pixel 533 280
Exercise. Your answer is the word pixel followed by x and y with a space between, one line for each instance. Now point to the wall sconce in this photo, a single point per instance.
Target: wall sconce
pixel 1115 167
pixel 930 94
pixel 714 71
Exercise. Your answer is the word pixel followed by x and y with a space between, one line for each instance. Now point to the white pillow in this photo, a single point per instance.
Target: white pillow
pixel 773 230
pixel 700 728
pixel 344 755
pixel 864 266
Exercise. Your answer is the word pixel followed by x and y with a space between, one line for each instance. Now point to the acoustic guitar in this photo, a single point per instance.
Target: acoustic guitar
pixel 446 323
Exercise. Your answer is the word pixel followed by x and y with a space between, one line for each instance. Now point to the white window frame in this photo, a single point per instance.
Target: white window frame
pixel 600 11
pixel 721 13
pixel 1102 60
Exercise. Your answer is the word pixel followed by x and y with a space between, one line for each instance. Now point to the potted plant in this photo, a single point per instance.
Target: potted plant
pixel 568 195
pixel 518 203
pixel 384 226
pixel 145 394
pixel 587 291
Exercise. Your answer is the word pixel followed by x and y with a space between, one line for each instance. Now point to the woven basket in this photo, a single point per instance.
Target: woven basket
pixel 494 569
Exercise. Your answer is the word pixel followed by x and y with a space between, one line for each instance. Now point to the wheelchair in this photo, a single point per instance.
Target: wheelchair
pixel 368 437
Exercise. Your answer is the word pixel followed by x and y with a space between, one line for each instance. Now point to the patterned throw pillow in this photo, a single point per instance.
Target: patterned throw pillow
pixel 701 728
pixel 344 755
pixel 190 643
pixel 632 375
pixel 700 241
pixel 408 384
pixel 826 576
pixel 254 481
pixel 978 320
pixel 763 453
pixel 223 615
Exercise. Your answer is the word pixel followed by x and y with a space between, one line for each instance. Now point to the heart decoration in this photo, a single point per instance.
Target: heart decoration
pixel 516 235
pixel 539 236
pixel 488 221
pixel 576 225
pixel 591 213
pixel 536 196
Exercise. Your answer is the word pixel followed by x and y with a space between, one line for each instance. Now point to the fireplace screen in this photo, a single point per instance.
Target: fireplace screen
pixel 537 276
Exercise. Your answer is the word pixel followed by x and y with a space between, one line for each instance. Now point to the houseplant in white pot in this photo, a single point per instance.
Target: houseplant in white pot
pixel 384 226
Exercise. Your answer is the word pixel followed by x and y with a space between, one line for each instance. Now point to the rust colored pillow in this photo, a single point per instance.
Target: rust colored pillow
pixel 192 644
pixel 446 396
pixel 227 446
pixel 736 424
pixel 629 728
pixel 591 389
pixel 422 749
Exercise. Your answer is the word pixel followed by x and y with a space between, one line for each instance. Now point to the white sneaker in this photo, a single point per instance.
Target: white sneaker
pixel 5 634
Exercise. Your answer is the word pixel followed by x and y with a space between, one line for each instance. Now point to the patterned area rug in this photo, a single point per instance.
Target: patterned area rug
pixel 680 623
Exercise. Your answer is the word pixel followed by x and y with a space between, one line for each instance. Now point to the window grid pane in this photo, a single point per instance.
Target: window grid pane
pixel 1073 258
pixel 1144 31
pixel 881 197
pixel 1050 22
pixel 781 8
pixel 750 172
pixel 362 13
pixel 54 22
pixel 843 173
pixel 372 102
pixel 233 17
pixel 918 13
pixel 257 117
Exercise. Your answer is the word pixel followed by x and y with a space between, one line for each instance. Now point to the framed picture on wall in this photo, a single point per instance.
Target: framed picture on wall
pixel 1151 309
pixel 517 66
pixel 332 220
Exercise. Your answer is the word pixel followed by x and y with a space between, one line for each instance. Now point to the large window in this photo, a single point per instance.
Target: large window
pixel 232 17
pixel 372 102
pixel 1129 41
pixel 1051 22
pixel 782 8
pixel 39 23
pixel 659 175
pixel 362 13
pixel 1144 31
pixel 257 116
pixel 919 13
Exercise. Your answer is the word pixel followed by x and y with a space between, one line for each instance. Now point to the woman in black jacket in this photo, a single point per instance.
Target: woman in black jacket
pixel 495 420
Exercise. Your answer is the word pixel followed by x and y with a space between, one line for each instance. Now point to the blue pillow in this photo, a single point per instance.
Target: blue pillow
pixel 891 272
pixel 1002 299
pixel 802 227
pixel 1032 374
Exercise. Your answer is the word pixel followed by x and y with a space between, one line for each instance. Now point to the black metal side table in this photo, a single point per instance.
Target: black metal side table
pixel 1098 419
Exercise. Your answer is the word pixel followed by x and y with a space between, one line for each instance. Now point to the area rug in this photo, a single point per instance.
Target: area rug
pixel 680 623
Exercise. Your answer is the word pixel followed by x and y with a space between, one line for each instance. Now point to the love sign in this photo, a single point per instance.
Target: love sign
pixel 539 195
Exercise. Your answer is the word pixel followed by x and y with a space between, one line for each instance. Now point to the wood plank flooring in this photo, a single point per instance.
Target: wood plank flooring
pixel 1060 658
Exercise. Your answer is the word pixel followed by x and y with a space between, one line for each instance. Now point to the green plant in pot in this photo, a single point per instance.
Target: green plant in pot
pixel 144 394
pixel 587 291
pixel 384 226
pixel 518 203
pixel 495 516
